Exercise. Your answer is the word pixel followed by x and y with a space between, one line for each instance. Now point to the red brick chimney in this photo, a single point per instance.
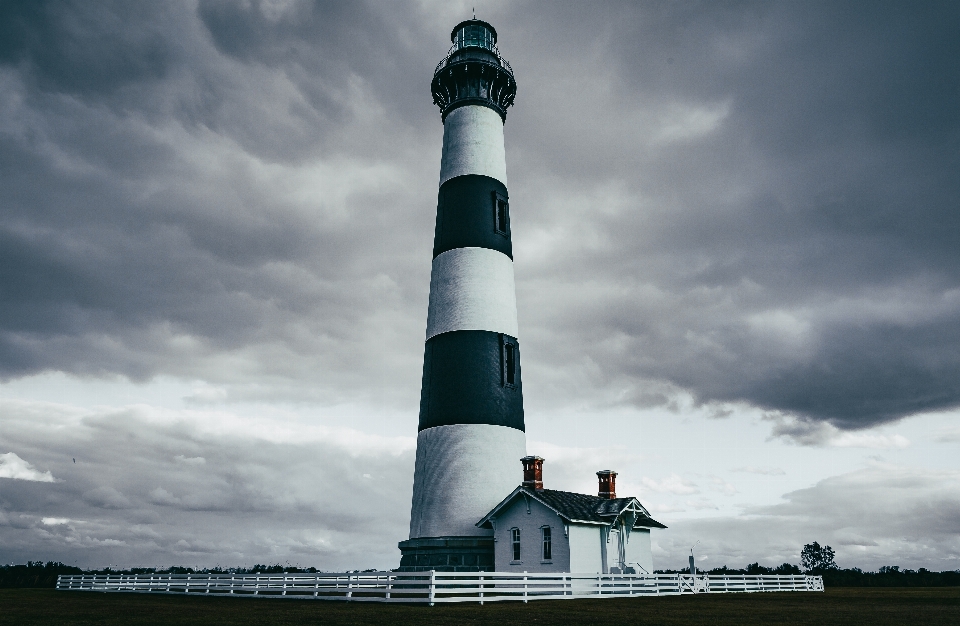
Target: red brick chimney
pixel 608 484
pixel 532 472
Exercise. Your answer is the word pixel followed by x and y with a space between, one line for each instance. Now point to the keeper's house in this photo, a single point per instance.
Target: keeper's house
pixel 542 530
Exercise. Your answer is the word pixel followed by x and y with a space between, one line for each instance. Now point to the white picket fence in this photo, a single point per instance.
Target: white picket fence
pixel 432 587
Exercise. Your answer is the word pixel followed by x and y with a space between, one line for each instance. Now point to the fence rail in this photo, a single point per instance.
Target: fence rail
pixel 433 587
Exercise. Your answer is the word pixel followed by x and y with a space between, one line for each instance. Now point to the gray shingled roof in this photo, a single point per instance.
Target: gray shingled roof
pixel 579 507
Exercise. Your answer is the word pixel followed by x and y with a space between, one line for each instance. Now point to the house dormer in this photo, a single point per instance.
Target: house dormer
pixel 545 530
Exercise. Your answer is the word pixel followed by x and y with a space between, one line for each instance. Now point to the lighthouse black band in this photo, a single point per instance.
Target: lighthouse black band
pixel 473 212
pixel 471 377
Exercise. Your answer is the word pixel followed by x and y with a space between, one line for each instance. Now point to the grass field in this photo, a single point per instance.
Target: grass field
pixel 849 606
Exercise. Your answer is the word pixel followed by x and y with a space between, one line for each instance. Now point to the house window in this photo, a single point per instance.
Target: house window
pixel 509 372
pixel 547 545
pixel 515 539
pixel 501 214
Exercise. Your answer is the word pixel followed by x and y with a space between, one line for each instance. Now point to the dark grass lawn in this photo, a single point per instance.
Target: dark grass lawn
pixel 850 605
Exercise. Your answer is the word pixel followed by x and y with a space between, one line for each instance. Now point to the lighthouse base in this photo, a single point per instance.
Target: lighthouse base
pixel 446 554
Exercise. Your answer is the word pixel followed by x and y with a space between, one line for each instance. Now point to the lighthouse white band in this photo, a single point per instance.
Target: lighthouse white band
pixel 473 144
pixel 472 289
pixel 463 471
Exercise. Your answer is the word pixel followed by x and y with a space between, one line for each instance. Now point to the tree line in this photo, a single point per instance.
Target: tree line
pixel 40 574
pixel 819 560
pixel 814 559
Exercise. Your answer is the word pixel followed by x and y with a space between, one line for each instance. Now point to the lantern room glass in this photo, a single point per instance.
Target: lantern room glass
pixel 474 35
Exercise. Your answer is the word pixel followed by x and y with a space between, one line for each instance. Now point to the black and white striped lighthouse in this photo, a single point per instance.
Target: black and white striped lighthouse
pixel 471 430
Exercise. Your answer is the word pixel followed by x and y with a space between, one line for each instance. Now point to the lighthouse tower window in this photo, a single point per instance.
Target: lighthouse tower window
pixel 515 540
pixel 509 364
pixel 501 215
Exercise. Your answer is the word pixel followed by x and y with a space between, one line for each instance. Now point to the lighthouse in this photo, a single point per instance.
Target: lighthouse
pixel 471 430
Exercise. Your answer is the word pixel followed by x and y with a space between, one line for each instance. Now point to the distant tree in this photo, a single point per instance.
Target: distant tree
pixel 817 558
pixel 34 574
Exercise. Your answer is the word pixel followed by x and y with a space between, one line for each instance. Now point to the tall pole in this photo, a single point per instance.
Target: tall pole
pixel 471 431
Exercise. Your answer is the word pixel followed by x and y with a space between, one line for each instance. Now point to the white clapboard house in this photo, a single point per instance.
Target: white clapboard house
pixel 543 530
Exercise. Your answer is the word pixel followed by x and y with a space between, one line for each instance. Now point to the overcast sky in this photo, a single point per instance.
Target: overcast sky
pixel 737 246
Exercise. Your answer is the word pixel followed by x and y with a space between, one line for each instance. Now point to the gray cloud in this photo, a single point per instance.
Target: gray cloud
pixel 138 496
pixel 272 491
pixel 752 204
pixel 166 237
pixel 739 204
pixel 881 515
pixel 106 498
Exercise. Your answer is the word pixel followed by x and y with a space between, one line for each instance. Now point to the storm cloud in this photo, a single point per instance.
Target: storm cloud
pixel 746 203
pixel 140 485
pixel 752 204
pixel 880 515
pixel 718 207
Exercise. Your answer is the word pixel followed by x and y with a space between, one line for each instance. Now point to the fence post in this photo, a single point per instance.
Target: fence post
pixel 524 586
pixel 480 576
pixel 433 586
pixel 389 586
pixel 349 586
